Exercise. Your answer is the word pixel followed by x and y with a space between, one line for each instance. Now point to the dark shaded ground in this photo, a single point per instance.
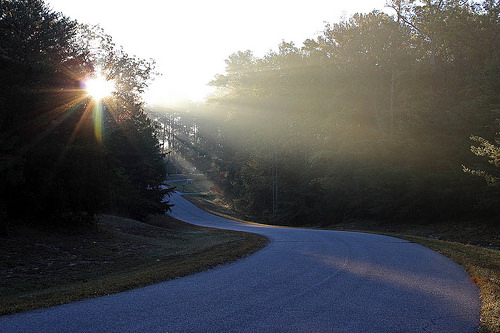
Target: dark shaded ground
pixel 42 267
pixel 484 233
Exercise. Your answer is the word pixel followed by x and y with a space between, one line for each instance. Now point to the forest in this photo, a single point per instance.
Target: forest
pixel 380 117
pixel 66 157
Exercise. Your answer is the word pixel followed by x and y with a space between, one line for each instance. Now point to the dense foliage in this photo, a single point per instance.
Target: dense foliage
pixel 372 119
pixel 64 156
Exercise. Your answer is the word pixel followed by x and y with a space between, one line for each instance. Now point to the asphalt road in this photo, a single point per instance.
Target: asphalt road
pixel 303 281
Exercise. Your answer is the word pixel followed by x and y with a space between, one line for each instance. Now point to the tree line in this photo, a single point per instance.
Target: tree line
pixel 372 119
pixel 64 156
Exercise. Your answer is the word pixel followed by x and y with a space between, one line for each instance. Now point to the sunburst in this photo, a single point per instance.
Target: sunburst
pixel 98 87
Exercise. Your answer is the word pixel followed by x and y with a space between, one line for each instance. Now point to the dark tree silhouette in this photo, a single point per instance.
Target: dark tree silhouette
pixel 53 168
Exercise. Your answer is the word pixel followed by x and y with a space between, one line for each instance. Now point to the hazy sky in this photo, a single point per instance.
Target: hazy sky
pixel 190 39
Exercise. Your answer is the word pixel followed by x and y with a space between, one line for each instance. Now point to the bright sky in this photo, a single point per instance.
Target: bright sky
pixel 190 39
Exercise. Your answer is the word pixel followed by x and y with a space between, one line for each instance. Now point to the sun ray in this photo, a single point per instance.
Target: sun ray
pixel 53 119
pixel 86 115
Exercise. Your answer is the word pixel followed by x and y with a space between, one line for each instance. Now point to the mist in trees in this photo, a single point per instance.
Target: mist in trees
pixel 373 119
pixel 65 157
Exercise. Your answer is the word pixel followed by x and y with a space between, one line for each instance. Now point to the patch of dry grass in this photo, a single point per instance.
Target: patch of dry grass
pixel 41 268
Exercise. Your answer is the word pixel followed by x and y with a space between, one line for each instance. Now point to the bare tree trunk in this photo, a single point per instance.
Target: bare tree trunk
pixel 275 183
pixel 391 108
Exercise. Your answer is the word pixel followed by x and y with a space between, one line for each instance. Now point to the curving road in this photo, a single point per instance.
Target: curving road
pixel 303 281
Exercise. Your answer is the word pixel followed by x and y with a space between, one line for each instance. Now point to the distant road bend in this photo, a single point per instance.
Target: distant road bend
pixel 303 281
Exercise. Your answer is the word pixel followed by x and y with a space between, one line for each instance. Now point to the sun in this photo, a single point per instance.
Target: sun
pixel 99 87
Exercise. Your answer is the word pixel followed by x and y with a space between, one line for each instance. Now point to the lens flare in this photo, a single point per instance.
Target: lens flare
pixel 98 88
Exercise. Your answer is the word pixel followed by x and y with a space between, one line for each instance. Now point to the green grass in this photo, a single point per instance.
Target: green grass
pixel 195 183
pixel 41 268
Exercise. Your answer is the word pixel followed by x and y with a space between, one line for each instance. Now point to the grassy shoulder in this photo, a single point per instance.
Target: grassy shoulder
pixel 473 245
pixel 41 268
